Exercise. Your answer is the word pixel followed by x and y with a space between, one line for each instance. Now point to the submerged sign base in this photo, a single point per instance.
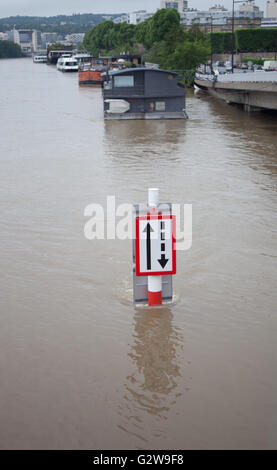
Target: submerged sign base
pixel 140 286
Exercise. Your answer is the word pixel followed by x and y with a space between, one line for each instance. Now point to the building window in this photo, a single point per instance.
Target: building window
pixel 125 81
pixel 160 105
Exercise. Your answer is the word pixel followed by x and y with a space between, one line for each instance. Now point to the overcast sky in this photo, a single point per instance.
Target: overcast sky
pixel 67 7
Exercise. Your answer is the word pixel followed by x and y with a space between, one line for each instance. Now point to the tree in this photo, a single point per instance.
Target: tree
pixel 187 56
pixel 9 50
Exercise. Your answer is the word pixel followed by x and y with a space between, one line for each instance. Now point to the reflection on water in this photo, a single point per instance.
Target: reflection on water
pixel 151 137
pixel 151 387
pixel 253 133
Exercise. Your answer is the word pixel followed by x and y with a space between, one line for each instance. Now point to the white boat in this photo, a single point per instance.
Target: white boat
pixel 83 60
pixel 40 58
pixel 67 64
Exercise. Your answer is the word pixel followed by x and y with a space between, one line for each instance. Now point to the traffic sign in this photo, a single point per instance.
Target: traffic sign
pixel 155 245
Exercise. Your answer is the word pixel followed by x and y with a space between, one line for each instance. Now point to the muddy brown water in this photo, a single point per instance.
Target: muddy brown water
pixel 81 367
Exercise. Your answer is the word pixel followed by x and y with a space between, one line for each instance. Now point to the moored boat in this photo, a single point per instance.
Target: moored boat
pixel 67 64
pixel 40 58
pixel 83 59
pixel 142 93
pixel 91 74
pixel 54 54
pixel 90 77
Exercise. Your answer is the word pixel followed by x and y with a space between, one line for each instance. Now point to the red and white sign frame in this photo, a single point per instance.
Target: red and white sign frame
pixel 160 217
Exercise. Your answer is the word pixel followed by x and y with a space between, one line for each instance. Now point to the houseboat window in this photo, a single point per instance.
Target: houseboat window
pixel 160 105
pixel 124 81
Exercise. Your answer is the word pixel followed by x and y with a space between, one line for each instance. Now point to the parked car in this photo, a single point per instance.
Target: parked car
pixel 228 66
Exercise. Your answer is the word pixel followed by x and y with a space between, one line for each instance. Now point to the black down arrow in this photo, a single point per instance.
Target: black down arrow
pixel 163 261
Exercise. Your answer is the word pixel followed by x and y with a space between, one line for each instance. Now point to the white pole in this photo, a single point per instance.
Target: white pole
pixel 154 282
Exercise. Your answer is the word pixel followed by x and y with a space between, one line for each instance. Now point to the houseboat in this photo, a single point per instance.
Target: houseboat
pixel 54 55
pixel 142 93
pixel 83 59
pixel 67 64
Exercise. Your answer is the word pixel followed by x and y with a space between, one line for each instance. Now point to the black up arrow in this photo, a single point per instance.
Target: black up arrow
pixel 163 261
pixel 148 229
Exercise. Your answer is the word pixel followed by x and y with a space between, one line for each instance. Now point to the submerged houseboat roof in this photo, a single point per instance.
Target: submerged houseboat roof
pixel 140 69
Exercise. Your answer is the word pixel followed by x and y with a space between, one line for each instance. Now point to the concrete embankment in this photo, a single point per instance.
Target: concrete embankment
pixel 256 90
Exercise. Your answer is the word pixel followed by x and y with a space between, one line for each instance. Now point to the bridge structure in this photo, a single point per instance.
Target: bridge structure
pixel 253 90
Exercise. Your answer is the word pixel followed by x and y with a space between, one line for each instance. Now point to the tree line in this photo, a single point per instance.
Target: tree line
pixel 76 23
pixel 161 37
pixel 246 40
pixel 9 49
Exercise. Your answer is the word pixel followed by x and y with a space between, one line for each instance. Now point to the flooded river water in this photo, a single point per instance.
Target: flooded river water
pixel 80 366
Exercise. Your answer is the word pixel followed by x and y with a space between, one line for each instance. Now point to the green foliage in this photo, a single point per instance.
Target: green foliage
pixel 254 60
pixel 221 43
pixel 142 34
pixel 195 33
pixel 162 35
pixel 256 40
pixel 57 46
pixel 187 55
pixel 108 36
pixel 246 40
pixel 9 50
pixel 61 24
pixel 164 24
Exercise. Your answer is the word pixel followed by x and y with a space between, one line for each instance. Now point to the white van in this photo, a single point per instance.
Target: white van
pixel 270 65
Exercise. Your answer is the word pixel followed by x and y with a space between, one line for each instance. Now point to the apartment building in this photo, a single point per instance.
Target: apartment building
pixel 271 9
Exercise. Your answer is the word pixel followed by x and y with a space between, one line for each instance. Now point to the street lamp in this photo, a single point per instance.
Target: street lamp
pixel 211 44
pixel 233 29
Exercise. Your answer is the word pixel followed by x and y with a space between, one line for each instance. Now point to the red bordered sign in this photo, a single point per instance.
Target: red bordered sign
pixel 155 245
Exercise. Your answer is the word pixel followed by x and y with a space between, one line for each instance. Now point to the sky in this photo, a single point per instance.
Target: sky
pixel 67 7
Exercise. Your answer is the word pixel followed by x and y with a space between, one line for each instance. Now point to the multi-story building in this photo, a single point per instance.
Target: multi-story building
pixel 121 19
pixel 27 39
pixel 248 16
pixel 75 38
pixel 271 9
pixel 135 17
pixel 249 6
pixel 180 5
pixel 269 23
pixel 139 16
pixel 49 37
pixel 13 36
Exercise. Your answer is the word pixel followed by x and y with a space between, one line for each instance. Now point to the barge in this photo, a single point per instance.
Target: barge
pixel 142 93
pixel 91 74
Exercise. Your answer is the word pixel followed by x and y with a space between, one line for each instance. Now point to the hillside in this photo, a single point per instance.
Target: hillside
pixel 80 23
